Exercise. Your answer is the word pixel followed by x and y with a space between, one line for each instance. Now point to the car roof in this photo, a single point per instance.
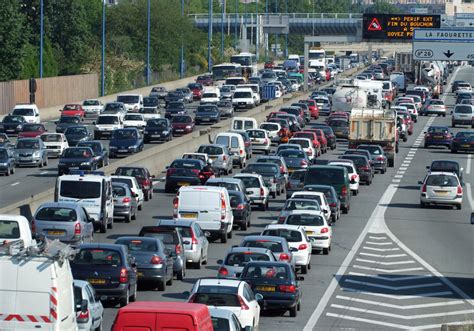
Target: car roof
pixel 146 239
pixel 284 226
pixel 102 245
pixel 271 263
pixel 224 180
pixel 269 238
pixel 438 173
pixel 310 212
pixel 239 249
pixel 62 204
pixel 220 313
pixel 246 174
pixel 175 222
pixel 219 282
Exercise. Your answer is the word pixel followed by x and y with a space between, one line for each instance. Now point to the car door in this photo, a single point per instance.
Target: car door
pixel 252 302
pixel 87 225
pixel 203 243
pixel 95 307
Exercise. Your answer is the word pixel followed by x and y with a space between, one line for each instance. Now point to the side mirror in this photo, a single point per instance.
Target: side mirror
pixel 353 181
pixel 420 182
pixel 207 234
pixel 135 195
pixel 93 122
pixel 56 122
pixel 248 192
pixel 152 176
pixel 220 261
pixel 428 167
pixel 324 210
pixel 300 278
pixel 258 297
pixel 472 218
pixel 186 293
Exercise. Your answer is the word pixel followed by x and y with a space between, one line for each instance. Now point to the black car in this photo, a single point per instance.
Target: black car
pixel 183 172
pixel 66 121
pixel 207 113
pixel 109 268
pixel 174 96
pixel 276 282
pixel 241 209
pixel 175 108
pixel 362 165
pixel 463 141
pixel 12 124
pixel 77 133
pixel 331 197
pixel 447 166
pixel 272 176
pixel 340 127
pixel 158 130
pixel 7 161
pixel 378 157
pixel 463 96
pixel 125 141
pixel 100 152
pixel 143 177
pixel 328 132
pixel 77 158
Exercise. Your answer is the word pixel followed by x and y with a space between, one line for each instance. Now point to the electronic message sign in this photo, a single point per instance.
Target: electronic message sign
pixel 396 26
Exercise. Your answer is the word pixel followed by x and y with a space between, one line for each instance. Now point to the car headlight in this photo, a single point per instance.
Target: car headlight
pixel 166 131
pixel 36 154
pixel 146 131
pixel 61 164
pixel 113 147
pixel 85 163
pixel 132 147
pixel 188 126
pixel 4 164
pixel 19 127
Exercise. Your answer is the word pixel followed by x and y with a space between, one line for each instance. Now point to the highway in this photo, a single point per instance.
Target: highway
pixel 393 265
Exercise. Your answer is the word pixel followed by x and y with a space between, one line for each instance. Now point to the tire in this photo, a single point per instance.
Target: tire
pixel 13 170
pixel 458 207
pixel 345 210
pixel 454 151
pixel 170 281
pixel 263 207
pixel 355 192
pixel 273 195
pixel 405 139
pixel 326 251
pixel 224 238
pixel 110 225
pixel 8 172
pixel 134 216
pixel 147 197
pixel 383 171
pixel 243 227
pixel 278 192
pixel 197 265
pixel 242 165
pixel 161 285
pixel 180 276
pixel 229 235
pixel 168 189
pixel 293 311
pixel 453 125
pixel 128 218
pixel 45 162
pixel 425 146
pixel 422 205
pixel 391 163
pixel 267 152
pixel 103 228
pixel 125 301
pixel 304 269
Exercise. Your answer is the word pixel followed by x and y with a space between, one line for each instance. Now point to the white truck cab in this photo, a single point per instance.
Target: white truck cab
pixel 133 102
pixel 93 191
pixel 210 95
pixel 29 111
pixel 244 97
pixel 106 124
pixel 15 227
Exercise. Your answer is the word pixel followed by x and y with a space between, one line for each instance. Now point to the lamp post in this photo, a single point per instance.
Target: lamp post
pixel 286 34
pixel 266 34
pixel 236 23
pixel 102 73
pixel 257 32
pixel 148 45
pixel 276 34
pixel 222 27
pixel 209 38
pixel 41 39
pixel 181 55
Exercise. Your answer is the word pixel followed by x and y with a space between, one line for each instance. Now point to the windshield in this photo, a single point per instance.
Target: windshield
pixel 209 95
pixel 302 142
pixel 242 95
pixel 291 236
pixel 76 130
pixel 51 137
pixel 207 108
pixel 107 120
pixel 13 119
pixel 294 204
pixel 269 127
pixel 256 133
pixel 465 135
pixel 95 146
pixel 228 186
pixel 210 150
pixel 57 214
pixel 112 107
pixel 463 109
pixel 9 229
pixel 91 103
pixel 150 102
pixel 240 259
pixel 178 104
pixel 434 129
pixel 3 154
pixel 124 134
pixel 324 176
pixel 305 219
pixel 27 144
pixel 24 112
pixel 292 153
pixel 375 150
pixel 250 182
pixel 269 75
pixel 137 245
pixel 444 166
pixel 32 128
pixel 181 119
pixel 96 256
pixel 133 117
pixel 274 246
pixel 186 163
pixel 71 107
pixel 80 189
pixel 128 98
pixel 263 168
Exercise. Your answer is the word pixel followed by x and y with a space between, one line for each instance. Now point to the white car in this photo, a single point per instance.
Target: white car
pixel 354 178
pixel 230 294
pixel 134 121
pixel 297 204
pixel 257 191
pixel 30 112
pixel 297 240
pixel 320 197
pixel 441 188
pixel 316 227
pixel 243 98
pixel 90 312
pixel 259 140
pixel 92 107
pixel 411 109
pixel 134 187
pixel 272 129
pixel 307 146
pixel 55 143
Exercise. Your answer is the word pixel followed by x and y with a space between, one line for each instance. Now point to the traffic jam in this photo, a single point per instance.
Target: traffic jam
pixel 309 160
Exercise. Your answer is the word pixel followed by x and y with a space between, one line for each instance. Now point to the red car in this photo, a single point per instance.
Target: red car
pixel 143 177
pixel 32 130
pixel 269 65
pixel 313 107
pixel 73 110
pixel 311 136
pixel 205 80
pixel 196 88
pixel 182 124
pixel 337 114
pixel 323 141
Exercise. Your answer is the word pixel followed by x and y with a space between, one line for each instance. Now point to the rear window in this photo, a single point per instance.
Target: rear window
pixel 228 186
pixel 217 299
pixel 262 168
pixel 190 164
pixel 269 127
pixel 139 245
pixel 310 220
pixel 442 180
pixel 9 229
pixel 292 154
pixel 240 259
pixel 301 142
pixel 98 257
pixel 56 214
pixel 210 150
pixel 324 176
pixel 250 182
pixel 289 235
pixel 279 272
pixel 294 204
pixel 256 134
pixel 126 181
pixel 118 191
pixel 298 175
pixel 166 236
pixel 463 109
pixel 274 246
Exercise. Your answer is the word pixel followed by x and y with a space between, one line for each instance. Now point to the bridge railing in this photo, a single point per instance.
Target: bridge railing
pixel 321 16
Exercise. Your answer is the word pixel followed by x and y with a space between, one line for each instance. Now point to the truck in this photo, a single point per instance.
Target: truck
pixel 348 96
pixel 36 287
pixel 375 127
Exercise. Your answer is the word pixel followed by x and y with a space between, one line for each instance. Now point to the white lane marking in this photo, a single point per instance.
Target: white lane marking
pixel 398 297
pixel 401 307
pixel 409 158
pixel 385 263
pixel 377 238
pixel 398 176
pixel 403 168
pixel 43 173
pixel 389 271
pixel 469 195
pixel 382 256
pixel 379 211
pixel 396 180
pixel 404 317
pixel 380 244
pixel 381 249
pixel 15 184
pixel 390 279
pixel 468 164
pixel 393 288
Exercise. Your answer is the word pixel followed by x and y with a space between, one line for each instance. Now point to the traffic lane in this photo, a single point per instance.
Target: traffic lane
pixel 323 268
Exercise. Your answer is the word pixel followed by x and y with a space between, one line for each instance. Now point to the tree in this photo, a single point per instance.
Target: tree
pixel 382 7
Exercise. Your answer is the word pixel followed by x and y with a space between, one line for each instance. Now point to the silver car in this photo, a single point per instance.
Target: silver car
pixel 188 94
pixel 238 257
pixel 194 239
pixel 125 204
pixel 65 221
pixel 31 152
pixel 441 188
pixel 222 159
pixel 278 245
pixel 89 309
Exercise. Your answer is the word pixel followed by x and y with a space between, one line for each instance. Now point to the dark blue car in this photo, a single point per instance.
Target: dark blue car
pixel 207 113
pixel 438 136
pixel 125 141
pixel 77 158
pixel 100 152
pixel 77 133
pixel 463 141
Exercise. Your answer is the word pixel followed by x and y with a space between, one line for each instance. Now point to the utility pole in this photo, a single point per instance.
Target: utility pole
pixel 102 74
pixel 148 44
pixel 181 55
pixel 209 38
pixel 41 38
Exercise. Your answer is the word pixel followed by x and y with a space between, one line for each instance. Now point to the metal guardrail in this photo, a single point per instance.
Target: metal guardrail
pixel 322 16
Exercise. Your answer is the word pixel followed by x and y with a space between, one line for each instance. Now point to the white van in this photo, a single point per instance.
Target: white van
pixel 210 95
pixel 243 98
pixel 236 145
pixel 209 206
pixel 256 91
pixel 36 288
pixel 106 124
pixel 133 102
pixel 93 192
pixel 29 111
pixel 243 123
pixel 15 227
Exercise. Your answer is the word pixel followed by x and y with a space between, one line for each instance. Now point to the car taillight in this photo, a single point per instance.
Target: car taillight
pixel 240 206
pixel 126 200
pixel 262 192
pixel 225 157
pixel 156 260
pixel 354 177
pixel 287 288
pixel 242 303
pixel 123 275
pixel 285 257
pixel 282 170
pixel 241 152
pixel 344 191
pixel 303 163
pixel 302 247
pixel 333 204
pixel 223 208
pixel 423 189
pixel 77 228
pixel 380 158
pixel 194 240
pixel 459 190
pixel 33 226
pixel 365 168
pixel 324 230
pixel 265 141
pixel 175 202
pixel 177 249
pixel 195 171
pixel 310 152
pixel 83 317
pixel 223 271
pixel 281 219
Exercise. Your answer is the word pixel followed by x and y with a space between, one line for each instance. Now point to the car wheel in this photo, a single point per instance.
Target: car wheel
pixel 45 162
pixel 293 311
pixel 161 285
pixel 425 145
pixel 198 264
pixel 345 210
pixel 147 196
pixel 168 189
pixel 405 139
pixel 273 195
pixel 263 207
pixel 242 164
pixel 229 235
pixel 170 281
pixel 304 269
pixel 298 306
pixel 422 205
pixel 458 207
pixel 325 251
pixel 140 207
pixel 110 225
pixel 355 192
pixel 453 125
pixel 267 152
pixel 99 328
pixel 243 227
pixel 128 218
pixel 103 228
pixel 278 192
pixel 180 276
pixel 125 300
pixel 224 238
pixel 13 170
pixel 391 163
pixel 454 151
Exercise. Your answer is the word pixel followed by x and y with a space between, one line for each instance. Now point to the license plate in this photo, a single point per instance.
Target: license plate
pixel 188 215
pixel 96 281
pixel 265 288
pixel 438 137
pixel 466 146
pixel 155 135
pixel 55 233
pixel 183 184
pixel 140 274
pixel 206 119
pixel 442 192
pixel 123 150
pixel 25 159
pixel 309 232
pixel 73 168
pixel 179 130
pixel 10 130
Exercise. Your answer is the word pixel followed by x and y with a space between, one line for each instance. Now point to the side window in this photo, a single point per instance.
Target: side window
pixel 248 294
pixel 90 294
pixel 234 143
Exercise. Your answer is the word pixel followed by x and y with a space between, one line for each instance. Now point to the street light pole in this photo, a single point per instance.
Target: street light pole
pixel 222 27
pixel 266 34
pixel 41 38
pixel 276 34
pixel 257 33
pixel 181 57
pixel 102 73
pixel 209 38
pixel 148 45
pixel 286 34
pixel 236 23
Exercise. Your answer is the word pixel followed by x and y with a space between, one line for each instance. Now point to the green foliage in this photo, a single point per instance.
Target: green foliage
pixel 382 7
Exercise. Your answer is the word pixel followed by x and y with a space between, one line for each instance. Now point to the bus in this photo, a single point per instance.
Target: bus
pixel 226 70
pixel 317 54
pixel 248 61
